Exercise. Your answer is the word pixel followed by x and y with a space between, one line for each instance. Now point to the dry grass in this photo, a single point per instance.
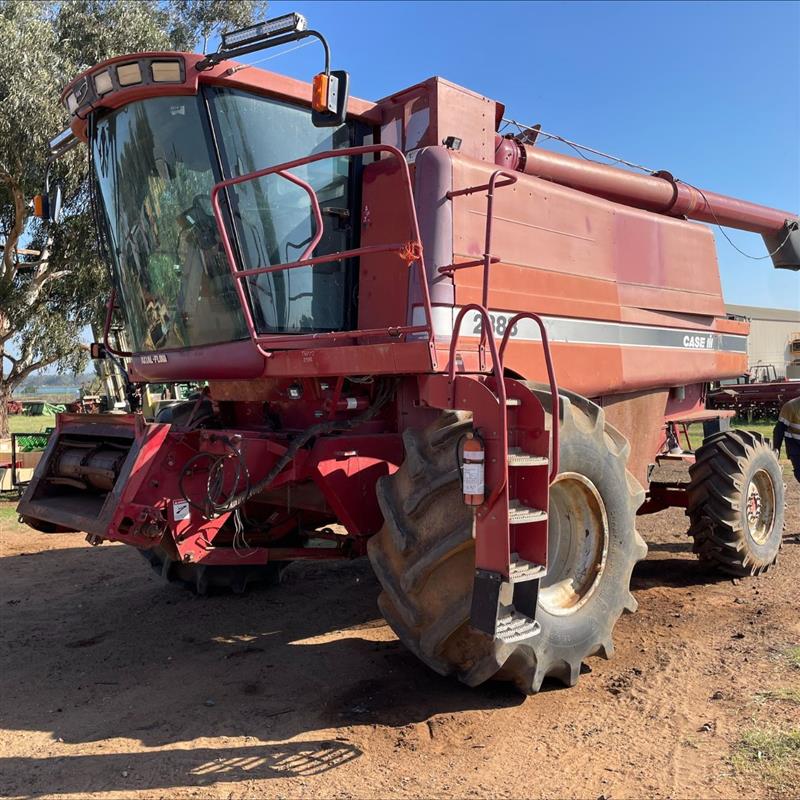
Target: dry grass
pixel 21 423
pixel 791 696
pixel 771 752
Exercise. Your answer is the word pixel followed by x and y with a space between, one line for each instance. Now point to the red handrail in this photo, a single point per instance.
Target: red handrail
pixel 410 251
pixel 497 366
pixel 488 259
pixel 551 375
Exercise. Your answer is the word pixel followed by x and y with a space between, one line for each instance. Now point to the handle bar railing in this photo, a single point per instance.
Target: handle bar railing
pixel 497 366
pixel 111 305
pixel 488 259
pixel 551 376
pixel 409 250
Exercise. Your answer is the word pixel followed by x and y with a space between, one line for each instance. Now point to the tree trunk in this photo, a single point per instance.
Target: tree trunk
pixel 5 396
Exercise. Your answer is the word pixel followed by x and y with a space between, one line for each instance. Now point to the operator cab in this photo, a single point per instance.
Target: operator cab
pixel 155 163
pixel 163 130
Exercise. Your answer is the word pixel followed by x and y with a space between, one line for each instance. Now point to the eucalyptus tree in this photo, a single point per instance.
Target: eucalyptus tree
pixel 52 277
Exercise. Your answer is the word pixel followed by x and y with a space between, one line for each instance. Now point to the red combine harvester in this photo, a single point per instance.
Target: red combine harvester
pixel 381 298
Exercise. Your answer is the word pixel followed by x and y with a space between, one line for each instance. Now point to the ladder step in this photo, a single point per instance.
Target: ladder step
pixel 521 570
pixel 519 514
pixel 514 627
pixel 518 458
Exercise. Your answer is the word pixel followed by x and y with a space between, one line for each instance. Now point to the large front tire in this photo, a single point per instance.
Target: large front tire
pixel 424 555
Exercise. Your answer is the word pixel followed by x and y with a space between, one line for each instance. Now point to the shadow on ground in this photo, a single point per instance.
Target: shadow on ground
pixel 197 766
pixel 136 658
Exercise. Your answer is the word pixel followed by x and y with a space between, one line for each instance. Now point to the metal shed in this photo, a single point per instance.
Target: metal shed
pixel 773 331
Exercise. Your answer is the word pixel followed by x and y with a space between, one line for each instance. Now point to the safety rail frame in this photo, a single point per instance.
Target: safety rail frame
pixel 500 391
pixel 482 308
pixel 488 259
pixel 551 377
pixel 409 251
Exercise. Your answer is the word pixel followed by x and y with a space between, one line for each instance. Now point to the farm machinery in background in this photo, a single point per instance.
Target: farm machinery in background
pixel 471 353
pixel 793 366
pixel 14 407
pixel 758 394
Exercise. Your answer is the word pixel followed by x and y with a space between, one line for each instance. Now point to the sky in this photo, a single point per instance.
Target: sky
pixel 708 91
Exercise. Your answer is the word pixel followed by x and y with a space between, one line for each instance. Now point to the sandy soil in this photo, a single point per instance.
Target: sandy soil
pixel 115 685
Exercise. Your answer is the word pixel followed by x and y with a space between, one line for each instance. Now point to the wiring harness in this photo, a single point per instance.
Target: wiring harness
pixel 218 500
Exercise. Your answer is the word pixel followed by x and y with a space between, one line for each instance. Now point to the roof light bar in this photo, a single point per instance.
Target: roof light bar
pixel 279 26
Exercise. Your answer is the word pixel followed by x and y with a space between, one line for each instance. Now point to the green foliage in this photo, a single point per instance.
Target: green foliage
pixel 764 427
pixel 206 17
pixel 45 304
pixel 793 654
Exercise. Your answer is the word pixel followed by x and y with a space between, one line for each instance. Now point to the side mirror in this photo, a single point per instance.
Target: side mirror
pixel 329 97
pixel 55 202
pixel 49 206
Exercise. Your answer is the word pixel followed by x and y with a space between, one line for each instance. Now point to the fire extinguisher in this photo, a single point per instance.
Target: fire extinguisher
pixel 472 470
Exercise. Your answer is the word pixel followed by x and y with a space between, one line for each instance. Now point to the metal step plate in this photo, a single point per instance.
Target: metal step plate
pixel 518 458
pixel 514 627
pixel 521 570
pixel 519 514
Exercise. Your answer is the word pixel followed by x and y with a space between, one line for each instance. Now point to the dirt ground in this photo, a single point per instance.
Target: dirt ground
pixel 116 685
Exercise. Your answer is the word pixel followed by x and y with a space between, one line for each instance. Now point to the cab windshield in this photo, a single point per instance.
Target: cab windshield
pixel 155 163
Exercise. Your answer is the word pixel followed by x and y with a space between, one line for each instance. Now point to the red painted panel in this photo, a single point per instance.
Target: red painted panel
pixel 229 360
pixel 347 468
pixel 546 235
pixel 384 278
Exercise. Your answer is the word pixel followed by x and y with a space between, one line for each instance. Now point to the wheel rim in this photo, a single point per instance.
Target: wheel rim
pixel 760 506
pixel 577 544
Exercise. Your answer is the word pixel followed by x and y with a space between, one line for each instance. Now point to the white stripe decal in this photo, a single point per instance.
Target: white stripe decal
pixel 586 331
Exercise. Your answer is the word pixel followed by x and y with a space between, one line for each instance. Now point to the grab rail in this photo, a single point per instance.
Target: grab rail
pixel 497 366
pixel 408 251
pixel 551 376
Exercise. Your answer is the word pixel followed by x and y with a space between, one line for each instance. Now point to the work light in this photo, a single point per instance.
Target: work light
pixel 102 82
pixel 166 71
pixel 279 26
pixel 60 144
pixel 129 74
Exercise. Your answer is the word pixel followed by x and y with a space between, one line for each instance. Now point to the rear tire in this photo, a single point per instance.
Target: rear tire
pixel 736 503
pixel 424 555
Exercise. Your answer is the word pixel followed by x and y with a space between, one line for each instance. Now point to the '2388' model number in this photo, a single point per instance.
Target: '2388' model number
pixel 499 325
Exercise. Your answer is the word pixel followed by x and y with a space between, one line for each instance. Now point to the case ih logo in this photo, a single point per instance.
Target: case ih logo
pixel 699 342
